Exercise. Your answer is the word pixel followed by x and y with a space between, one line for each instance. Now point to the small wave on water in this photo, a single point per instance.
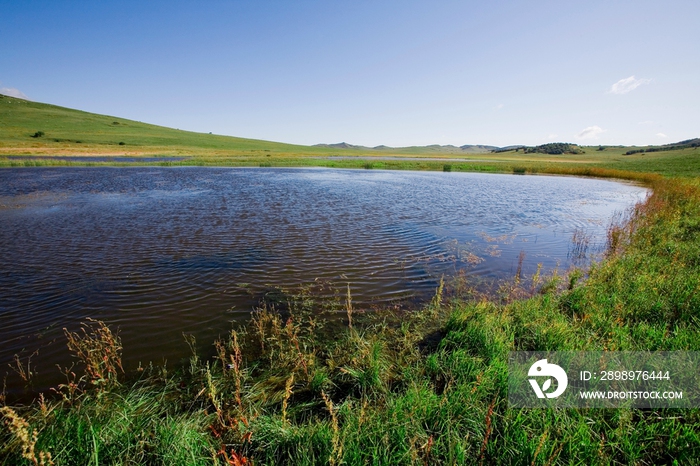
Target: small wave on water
pixel 157 252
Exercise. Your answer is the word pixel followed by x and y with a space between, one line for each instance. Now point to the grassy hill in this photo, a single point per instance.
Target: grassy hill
pixel 36 129
pixel 32 128
pixel 67 131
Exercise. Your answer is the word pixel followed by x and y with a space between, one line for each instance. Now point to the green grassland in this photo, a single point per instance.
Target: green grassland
pixel 73 132
pixel 68 132
pixel 390 388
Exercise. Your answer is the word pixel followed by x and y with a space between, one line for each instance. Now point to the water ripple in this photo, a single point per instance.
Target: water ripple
pixel 158 252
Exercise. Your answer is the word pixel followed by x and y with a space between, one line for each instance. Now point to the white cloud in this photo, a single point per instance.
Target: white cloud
pixel 552 136
pixel 661 135
pixel 12 92
pixel 623 86
pixel 591 132
pixel 646 122
pixel 499 106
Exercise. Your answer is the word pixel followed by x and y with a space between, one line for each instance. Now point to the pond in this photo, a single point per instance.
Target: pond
pixel 156 252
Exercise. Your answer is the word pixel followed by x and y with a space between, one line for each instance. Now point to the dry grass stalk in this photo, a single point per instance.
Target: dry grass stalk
pixel 27 437
pixel 259 325
pixel 337 452
pixel 426 450
pixel 619 231
pixel 236 358
pixel 213 393
pixel 194 358
pixel 437 299
pixel 487 434
pixel 536 278
pixel 543 437
pixel 287 394
pixel 44 408
pixel 25 372
pixel 555 455
pixel 99 350
pixel 348 307
pixel 519 272
pixel 71 388
pixel 268 329
pixel 293 336
pixel 580 242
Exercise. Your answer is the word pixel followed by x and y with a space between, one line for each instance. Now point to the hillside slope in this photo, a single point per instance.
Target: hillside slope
pixel 32 127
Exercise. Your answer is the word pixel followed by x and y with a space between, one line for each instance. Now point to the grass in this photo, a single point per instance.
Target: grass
pixel 422 387
pixel 71 132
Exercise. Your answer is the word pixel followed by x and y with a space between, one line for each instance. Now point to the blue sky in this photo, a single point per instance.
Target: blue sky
pixel 368 72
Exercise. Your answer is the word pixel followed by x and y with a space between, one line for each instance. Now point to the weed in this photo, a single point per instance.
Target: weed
pixel 26 437
pixel 337 452
pixel 99 350
pixel 574 277
pixel 487 433
pixel 287 394
pixel 617 233
pixel 519 271
pixel 436 302
pixel 536 279
pixel 348 307
pixel 580 241
pixel 233 364
pixel 24 369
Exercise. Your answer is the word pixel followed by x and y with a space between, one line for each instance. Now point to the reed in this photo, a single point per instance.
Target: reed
pixel 580 241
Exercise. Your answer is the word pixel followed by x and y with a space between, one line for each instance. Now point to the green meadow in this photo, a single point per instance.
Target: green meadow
pixel 293 386
pixel 35 129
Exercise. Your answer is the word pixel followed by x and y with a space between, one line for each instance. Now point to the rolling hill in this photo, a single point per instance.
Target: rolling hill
pixel 36 129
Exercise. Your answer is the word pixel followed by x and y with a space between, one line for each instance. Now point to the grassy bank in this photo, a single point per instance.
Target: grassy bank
pixel 642 167
pixel 427 387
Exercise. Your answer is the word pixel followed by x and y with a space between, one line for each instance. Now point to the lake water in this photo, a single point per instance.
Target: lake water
pixel 156 252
